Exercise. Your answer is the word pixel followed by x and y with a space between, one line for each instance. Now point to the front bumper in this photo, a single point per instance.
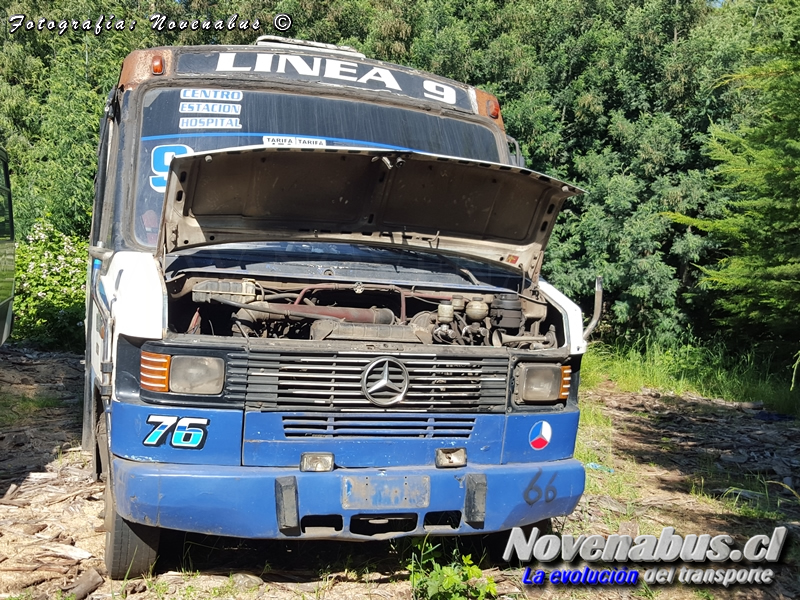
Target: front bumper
pixel 268 502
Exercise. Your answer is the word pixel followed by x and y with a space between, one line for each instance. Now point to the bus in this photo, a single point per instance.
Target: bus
pixel 314 306
pixel 6 250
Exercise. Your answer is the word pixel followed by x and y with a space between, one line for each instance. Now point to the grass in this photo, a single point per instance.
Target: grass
pixel 17 409
pixel 159 588
pixel 594 445
pixel 745 495
pixel 645 591
pixel 691 369
pixel 709 370
pixel 226 590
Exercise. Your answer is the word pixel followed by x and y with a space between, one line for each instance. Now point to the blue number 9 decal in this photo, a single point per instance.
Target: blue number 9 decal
pixel 159 162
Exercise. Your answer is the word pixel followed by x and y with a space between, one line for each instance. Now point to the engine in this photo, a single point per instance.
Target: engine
pixel 361 312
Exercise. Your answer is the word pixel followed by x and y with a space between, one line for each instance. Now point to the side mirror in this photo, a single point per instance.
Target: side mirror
pixel 516 154
pixel 598 308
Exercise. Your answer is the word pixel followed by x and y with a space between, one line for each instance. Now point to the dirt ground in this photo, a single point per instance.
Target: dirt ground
pixel 700 465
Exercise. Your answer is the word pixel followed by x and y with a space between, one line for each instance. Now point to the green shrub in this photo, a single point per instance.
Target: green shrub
pixel 49 301
pixel 459 580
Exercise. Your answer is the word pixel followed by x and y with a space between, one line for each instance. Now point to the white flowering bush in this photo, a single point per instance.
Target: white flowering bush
pixel 50 294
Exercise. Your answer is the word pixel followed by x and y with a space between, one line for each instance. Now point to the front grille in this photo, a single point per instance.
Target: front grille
pixel 320 381
pixel 328 426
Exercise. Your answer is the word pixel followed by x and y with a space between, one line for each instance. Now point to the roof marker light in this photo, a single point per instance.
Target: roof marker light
pixel 158 65
pixel 493 108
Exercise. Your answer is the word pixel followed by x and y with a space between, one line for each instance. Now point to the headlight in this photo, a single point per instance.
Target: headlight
pixel 182 374
pixel 541 383
pixel 196 375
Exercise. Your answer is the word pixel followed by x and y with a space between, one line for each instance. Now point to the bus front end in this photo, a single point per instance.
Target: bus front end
pixel 328 323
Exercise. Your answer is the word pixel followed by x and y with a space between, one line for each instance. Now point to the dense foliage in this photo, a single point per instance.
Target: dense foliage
pixel 626 98
pixel 759 271
pixel 51 290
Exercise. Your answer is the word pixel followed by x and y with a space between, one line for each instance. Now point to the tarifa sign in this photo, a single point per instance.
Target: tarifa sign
pixel 321 69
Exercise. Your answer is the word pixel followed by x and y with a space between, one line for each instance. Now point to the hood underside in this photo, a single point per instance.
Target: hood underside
pixel 407 199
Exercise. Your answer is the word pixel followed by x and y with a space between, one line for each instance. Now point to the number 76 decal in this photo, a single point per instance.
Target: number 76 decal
pixel 188 432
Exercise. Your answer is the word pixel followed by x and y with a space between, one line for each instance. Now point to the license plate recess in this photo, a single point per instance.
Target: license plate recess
pixel 385 491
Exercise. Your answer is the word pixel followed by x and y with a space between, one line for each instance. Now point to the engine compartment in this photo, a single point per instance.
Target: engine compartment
pixel 264 308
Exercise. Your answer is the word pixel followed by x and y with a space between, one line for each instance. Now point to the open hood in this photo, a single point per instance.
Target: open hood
pixel 408 199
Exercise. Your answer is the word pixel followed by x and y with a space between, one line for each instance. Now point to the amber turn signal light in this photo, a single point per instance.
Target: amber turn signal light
pixel 154 372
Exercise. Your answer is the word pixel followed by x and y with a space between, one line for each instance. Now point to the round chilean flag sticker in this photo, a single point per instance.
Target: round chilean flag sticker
pixel 540 435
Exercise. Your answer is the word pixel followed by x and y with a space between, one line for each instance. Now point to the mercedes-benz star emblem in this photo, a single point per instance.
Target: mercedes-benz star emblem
pixel 385 381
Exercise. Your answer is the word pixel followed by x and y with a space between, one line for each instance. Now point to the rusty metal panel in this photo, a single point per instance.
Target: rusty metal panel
pixel 484 97
pixel 137 66
pixel 386 491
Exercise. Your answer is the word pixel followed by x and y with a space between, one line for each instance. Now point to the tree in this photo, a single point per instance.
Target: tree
pixel 613 95
pixel 758 273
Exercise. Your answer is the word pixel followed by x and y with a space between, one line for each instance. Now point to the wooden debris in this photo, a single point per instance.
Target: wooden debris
pixel 134 587
pixel 16 503
pixel 63 569
pixel 22 567
pixel 609 503
pixel 734 458
pixel 86 584
pixel 11 492
pixel 630 528
pixel 68 551
pixel 38 476
pixel 67 496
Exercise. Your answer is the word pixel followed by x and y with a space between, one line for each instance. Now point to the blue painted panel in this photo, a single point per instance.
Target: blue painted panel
pixel 563 429
pixel 221 445
pixel 265 444
pixel 233 501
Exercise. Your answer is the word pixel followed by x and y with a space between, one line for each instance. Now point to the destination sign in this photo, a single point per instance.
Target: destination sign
pixel 325 70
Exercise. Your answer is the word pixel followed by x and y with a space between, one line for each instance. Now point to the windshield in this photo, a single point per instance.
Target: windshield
pixel 179 121
pixel 344 262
